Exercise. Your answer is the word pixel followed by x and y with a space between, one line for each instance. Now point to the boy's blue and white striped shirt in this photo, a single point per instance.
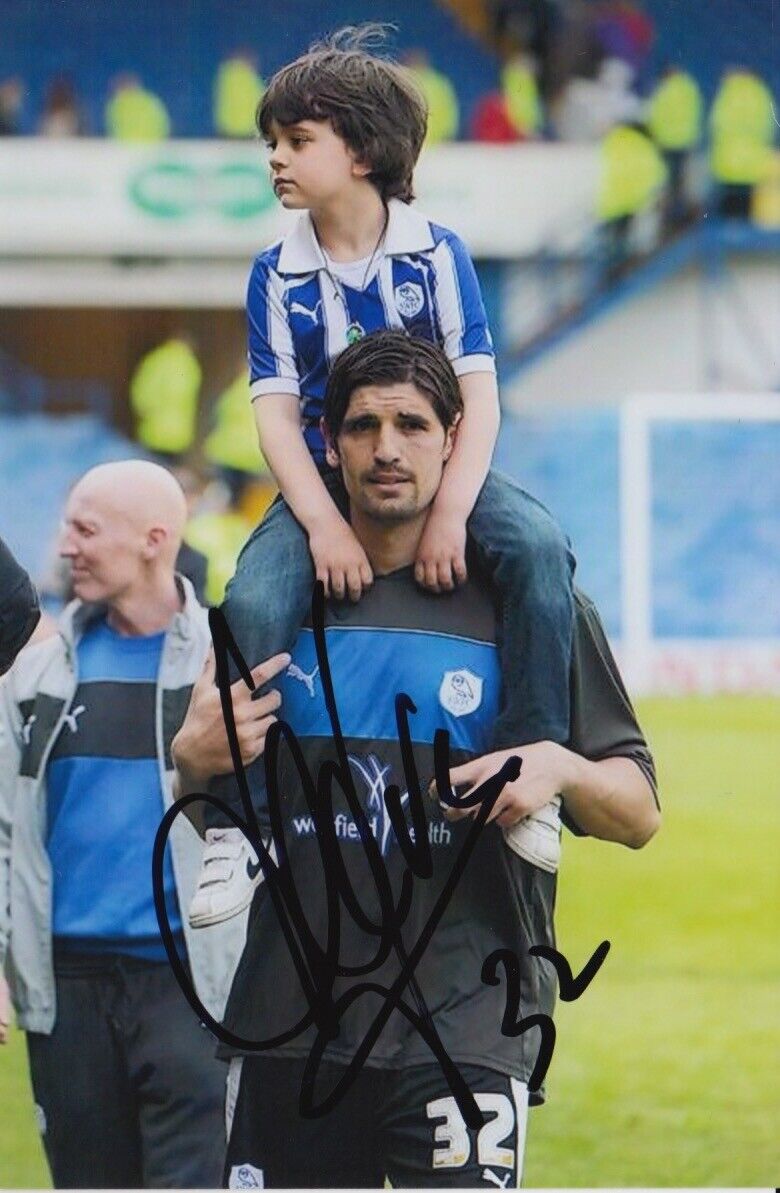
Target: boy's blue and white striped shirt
pixel 423 282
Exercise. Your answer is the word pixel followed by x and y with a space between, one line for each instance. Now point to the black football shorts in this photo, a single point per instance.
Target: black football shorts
pixel 403 1125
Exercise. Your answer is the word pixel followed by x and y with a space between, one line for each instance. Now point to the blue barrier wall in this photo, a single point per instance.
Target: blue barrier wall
pixel 716 529
pixel 715 515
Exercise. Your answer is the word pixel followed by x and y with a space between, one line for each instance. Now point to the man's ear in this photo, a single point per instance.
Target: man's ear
pixel 155 541
pixel 331 451
pixel 450 437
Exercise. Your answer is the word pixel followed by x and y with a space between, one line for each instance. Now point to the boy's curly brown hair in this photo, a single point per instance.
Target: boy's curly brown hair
pixel 371 102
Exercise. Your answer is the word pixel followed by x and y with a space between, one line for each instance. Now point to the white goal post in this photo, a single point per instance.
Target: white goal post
pixel 679 665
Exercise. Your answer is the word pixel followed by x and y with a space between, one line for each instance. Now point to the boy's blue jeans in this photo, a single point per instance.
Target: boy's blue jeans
pixel 516 542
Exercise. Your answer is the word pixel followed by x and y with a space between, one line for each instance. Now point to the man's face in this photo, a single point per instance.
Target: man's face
pixel 391 449
pixel 310 164
pixel 103 546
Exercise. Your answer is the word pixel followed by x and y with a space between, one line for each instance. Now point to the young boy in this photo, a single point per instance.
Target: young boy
pixel 344 129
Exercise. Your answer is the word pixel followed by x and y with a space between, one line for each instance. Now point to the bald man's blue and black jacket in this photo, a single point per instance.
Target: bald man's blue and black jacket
pixel 441 652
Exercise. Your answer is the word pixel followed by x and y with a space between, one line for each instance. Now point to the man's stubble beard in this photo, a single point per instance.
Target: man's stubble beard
pixel 393 511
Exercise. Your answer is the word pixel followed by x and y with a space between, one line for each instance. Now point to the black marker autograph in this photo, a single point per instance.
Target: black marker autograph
pixel 317 966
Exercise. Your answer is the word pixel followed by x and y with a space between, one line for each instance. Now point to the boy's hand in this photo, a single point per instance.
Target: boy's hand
pixel 441 557
pixel 339 560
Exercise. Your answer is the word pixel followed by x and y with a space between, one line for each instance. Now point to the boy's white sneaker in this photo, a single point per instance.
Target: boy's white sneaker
pixel 537 838
pixel 225 885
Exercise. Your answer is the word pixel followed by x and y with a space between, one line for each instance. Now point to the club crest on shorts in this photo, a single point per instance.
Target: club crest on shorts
pixel 409 299
pixel 246 1176
pixel 460 692
pixel 40 1118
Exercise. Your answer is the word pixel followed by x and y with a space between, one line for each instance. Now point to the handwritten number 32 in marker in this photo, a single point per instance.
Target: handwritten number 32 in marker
pixel 569 988
pixel 451 1135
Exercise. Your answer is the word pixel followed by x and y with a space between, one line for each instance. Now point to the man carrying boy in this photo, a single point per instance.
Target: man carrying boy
pixel 392 416
pixel 345 129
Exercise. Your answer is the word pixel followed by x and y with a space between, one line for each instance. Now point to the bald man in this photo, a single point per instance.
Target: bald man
pixel 127 1090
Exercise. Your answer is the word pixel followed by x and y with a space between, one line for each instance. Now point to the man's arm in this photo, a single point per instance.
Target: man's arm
pixel 623 806
pixel 606 775
pixel 610 798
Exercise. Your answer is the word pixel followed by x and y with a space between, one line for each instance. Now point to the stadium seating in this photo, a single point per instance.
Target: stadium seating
pixel 707 38
pixel 176 47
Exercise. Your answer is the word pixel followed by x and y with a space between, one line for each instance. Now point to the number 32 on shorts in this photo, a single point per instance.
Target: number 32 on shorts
pixel 451 1137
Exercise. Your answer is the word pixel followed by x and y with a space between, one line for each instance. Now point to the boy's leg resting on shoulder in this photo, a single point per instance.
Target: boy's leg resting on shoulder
pixel 529 559
pixel 265 604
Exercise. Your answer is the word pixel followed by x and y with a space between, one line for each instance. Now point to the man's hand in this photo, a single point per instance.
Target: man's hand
pixel 545 773
pixel 200 749
pixel 5 1010
pixel 339 560
pixel 441 556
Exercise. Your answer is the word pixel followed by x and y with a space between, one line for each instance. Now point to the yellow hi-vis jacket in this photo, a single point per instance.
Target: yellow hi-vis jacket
pixel 164 397
pixel 742 128
pixel 766 197
pixel 220 537
pixel 233 441
pixel 632 173
pixel 439 94
pixel 521 95
pixel 134 114
pixel 238 90
pixel 674 112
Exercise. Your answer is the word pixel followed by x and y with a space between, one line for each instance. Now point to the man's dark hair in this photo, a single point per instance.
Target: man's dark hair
pixel 385 358
pixel 371 102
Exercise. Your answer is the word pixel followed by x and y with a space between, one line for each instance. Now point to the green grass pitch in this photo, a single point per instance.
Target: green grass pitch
pixel 666 1070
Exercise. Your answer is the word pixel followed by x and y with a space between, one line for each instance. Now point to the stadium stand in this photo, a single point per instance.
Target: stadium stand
pixel 178 50
pixel 177 47
pixel 707 38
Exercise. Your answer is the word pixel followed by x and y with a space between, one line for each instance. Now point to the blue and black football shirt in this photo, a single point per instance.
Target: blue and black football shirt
pixel 441 652
pixel 105 801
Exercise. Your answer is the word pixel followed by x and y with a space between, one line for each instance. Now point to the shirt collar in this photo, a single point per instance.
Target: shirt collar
pixel 407 232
